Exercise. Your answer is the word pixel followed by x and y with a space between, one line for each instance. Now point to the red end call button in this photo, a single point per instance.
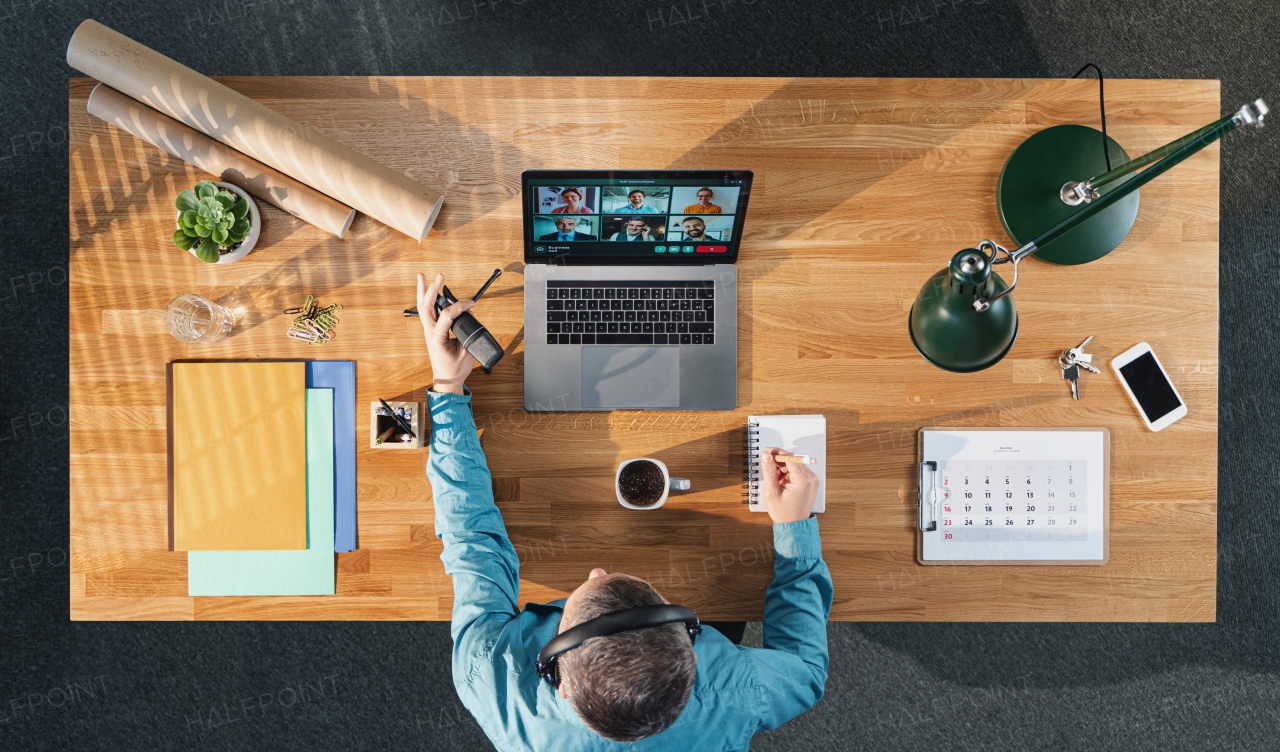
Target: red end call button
pixel 713 249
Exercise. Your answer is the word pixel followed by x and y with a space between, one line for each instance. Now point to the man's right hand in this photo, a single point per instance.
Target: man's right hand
pixel 450 361
pixel 789 490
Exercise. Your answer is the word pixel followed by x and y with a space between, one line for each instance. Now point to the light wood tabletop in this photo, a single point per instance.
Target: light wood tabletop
pixel 863 189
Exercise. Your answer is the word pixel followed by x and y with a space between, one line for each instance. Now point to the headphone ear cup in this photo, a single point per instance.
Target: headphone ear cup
pixel 551 674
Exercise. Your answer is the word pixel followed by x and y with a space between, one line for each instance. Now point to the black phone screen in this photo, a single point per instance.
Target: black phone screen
pixel 1148 383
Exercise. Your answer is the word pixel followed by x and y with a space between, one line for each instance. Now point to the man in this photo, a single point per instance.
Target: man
pixel 636 229
pixel 572 198
pixel 636 204
pixel 704 205
pixel 653 687
pixel 695 229
pixel 567 230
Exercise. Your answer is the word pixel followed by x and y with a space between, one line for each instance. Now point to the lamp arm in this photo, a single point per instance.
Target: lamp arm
pixel 1251 114
pixel 1217 131
pixel 1075 193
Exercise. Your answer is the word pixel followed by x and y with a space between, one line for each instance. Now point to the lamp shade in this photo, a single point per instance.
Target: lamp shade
pixel 946 328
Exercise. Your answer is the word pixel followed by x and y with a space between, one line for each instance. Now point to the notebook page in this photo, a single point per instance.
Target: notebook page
pixel 793 434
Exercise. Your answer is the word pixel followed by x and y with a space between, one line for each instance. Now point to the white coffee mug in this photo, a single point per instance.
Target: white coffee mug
pixel 672 484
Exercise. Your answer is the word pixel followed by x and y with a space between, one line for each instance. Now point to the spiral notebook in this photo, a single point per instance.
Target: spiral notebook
pixel 793 434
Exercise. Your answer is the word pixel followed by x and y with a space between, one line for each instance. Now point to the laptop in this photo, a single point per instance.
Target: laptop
pixel 630 288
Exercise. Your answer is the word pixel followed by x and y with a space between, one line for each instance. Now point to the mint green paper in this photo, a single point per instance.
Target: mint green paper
pixel 308 572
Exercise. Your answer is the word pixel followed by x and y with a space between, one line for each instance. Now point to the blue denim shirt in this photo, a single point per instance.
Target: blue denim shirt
pixel 738 690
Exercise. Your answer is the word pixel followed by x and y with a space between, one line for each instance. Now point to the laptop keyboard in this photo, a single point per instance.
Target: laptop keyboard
pixel 614 312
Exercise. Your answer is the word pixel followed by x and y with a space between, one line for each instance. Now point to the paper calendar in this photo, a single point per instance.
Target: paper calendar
pixel 1014 496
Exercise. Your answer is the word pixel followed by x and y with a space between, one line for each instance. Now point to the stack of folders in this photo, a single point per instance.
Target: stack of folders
pixel 262 458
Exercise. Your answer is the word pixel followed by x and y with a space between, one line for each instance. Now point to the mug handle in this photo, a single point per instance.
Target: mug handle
pixel 678 484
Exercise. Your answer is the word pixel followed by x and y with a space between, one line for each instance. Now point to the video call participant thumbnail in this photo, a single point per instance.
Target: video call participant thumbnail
pixel 635 229
pixel 701 229
pixel 717 199
pixel 636 204
pixel 647 199
pixel 566 230
pixel 572 198
pixel 704 205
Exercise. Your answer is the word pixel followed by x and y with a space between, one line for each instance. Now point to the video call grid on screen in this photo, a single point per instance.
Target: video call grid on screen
pixel 661 216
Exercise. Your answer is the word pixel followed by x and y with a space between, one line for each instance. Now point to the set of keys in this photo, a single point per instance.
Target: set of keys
pixel 1072 360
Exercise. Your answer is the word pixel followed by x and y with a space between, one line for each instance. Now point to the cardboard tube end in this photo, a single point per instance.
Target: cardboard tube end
pixel 88 23
pixel 351 215
pixel 88 105
pixel 431 220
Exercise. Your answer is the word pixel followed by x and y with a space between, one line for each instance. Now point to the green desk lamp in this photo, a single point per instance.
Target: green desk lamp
pixel 963 320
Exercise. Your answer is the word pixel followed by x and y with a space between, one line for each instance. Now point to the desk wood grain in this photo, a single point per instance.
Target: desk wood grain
pixel 864 188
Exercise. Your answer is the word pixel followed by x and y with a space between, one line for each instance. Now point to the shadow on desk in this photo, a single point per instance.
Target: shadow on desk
pixel 716 563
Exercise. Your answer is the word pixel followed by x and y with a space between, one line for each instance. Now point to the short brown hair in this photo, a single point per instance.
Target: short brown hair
pixel 567 191
pixel 632 685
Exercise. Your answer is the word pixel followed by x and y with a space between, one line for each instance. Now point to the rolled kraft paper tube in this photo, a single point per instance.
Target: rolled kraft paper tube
pixel 189 145
pixel 299 151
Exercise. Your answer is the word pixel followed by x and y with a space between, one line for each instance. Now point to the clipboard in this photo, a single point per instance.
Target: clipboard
pixel 998 496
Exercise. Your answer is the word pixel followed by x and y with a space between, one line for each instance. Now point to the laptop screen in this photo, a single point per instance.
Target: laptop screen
pixel 655 217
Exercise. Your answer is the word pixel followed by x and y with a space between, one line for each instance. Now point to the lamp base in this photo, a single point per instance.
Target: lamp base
pixel 1029 194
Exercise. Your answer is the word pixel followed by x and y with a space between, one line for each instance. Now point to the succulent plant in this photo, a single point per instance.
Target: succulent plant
pixel 210 217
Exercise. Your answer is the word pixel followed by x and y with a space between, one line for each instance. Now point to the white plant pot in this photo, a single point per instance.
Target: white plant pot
pixel 255 227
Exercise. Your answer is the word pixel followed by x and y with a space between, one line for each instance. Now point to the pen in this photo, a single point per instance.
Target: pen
pixel 397 419
pixel 803 459
pixel 496 273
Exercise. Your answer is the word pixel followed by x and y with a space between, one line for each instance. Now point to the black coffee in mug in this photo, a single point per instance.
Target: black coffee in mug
pixel 642 483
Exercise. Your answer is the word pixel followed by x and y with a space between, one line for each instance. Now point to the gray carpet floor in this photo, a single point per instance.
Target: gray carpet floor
pixel 892 686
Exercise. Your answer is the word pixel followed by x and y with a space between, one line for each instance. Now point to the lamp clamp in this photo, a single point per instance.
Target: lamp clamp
pixel 1076 192
pixel 1015 256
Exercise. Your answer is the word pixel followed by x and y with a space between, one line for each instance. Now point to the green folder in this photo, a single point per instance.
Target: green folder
pixel 308 572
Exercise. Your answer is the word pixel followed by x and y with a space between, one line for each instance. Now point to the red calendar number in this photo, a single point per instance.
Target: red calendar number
pixel 946 536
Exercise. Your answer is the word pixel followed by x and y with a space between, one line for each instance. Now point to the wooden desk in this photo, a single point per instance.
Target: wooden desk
pixel 863 189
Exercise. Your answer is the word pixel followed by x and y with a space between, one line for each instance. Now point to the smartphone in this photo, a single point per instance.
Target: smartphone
pixel 1147 384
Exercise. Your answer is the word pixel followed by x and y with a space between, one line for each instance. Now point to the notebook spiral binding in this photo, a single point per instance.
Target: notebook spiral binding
pixel 750 466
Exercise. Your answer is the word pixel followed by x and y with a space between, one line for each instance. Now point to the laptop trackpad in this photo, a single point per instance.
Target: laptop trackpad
pixel 630 377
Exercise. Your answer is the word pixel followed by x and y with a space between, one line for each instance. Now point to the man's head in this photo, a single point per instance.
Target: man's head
pixel 636 197
pixel 631 685
pixel 694 228
pixel 634 226
pixel 566 224
pixel 704 196
pixel 571 195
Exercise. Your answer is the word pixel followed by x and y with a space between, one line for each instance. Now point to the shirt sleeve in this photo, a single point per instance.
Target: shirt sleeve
pixel 477 554
pixel 792 669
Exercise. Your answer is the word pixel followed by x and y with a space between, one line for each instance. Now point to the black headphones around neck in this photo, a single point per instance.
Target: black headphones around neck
pixel 626 620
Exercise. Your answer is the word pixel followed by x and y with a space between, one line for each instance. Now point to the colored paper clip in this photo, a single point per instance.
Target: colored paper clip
pixel 313 324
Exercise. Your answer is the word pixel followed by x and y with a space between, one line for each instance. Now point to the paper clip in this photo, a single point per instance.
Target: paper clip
pixel 302 335
pixel 317 330
pixel 313 324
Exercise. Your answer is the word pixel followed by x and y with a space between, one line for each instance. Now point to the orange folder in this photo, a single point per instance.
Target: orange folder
pixel 239 456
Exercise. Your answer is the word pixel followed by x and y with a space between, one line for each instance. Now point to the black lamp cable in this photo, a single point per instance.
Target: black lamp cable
pixel 1102 106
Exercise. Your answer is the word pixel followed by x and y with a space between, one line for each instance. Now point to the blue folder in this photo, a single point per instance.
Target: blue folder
pixel 340 376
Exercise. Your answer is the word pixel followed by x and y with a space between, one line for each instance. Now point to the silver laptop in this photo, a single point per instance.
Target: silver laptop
pixel 630 288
